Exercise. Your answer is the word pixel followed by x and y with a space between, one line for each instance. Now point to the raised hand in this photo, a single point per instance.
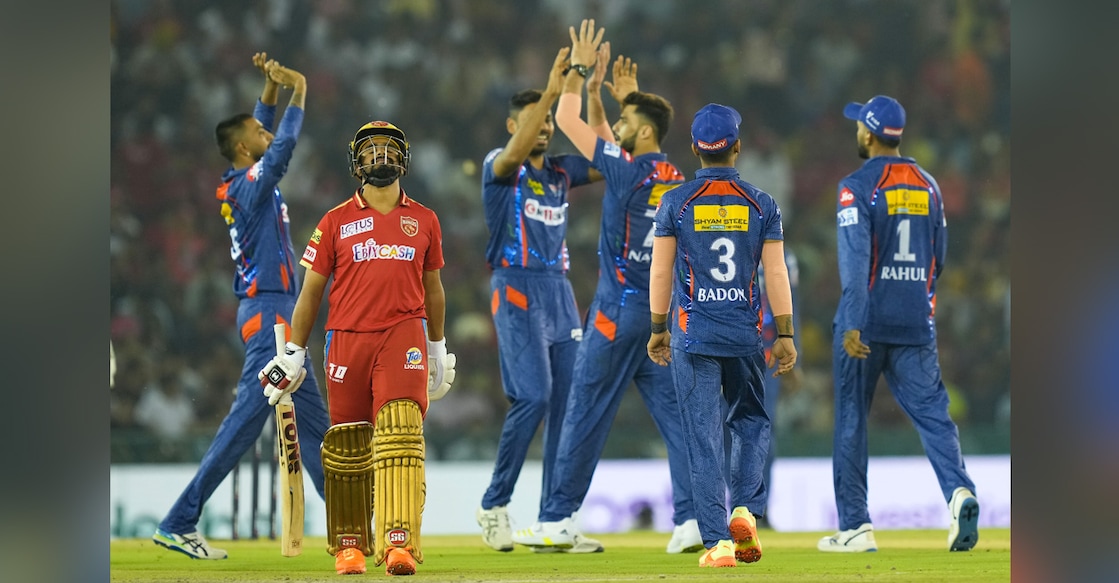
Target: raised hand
pixel 555 76
pixel 594 81
pixel 584 45
pixel 625 78
pixel 284 76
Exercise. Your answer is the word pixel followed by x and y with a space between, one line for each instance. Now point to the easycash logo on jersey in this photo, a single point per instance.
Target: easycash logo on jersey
pixel 371 251
pixel 906 201
pixel 713 217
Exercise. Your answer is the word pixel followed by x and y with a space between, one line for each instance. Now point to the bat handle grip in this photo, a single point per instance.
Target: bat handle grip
pixel 281 338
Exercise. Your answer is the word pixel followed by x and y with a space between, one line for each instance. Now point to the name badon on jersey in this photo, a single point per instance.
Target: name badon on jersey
pixel 370 250
pixel 720 294
pixel 904 273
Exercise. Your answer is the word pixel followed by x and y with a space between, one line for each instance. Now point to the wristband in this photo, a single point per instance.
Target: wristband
pixel 660 327
pixel 784 335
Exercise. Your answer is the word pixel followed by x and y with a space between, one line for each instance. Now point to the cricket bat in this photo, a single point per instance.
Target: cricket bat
pixel 291 468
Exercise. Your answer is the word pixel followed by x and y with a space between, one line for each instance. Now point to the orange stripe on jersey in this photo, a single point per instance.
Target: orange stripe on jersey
pixel 682 319
pixel 605 326
pixel 223 191
pixel 284 276
pixel 495 302
pixel 252 326
pixel 516 298
pixel 251 292
pixel 901 175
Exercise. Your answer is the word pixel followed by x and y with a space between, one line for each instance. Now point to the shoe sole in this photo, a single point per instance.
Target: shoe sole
pixel 747 548
pixel 967 527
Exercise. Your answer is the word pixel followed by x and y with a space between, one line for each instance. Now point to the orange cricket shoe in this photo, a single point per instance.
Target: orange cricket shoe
pixel 400 562
pixel 349 561
pixel 744 531
pixel 720 555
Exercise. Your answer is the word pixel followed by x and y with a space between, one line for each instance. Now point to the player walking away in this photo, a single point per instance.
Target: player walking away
pixel 384 251
pixel 524 191
pixel 613 353
pixel 265 282
pixel 711 234
pixel 892 242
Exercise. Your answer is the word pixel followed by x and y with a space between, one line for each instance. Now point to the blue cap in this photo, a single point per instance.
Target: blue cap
pixel 715 128
pixel 882 115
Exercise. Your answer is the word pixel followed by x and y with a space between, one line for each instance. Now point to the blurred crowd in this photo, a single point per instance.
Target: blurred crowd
pixel 443 70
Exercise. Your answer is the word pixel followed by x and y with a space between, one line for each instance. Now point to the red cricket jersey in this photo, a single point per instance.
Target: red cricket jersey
pixel 377 261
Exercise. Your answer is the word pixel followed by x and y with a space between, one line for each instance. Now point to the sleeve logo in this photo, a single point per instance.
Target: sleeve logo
pixel 309 254
pixel 611 149
pixel 846 197
pixel 847 217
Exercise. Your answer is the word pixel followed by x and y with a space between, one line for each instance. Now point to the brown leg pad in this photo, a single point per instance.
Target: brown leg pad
pixel 347 463
pixel 398 446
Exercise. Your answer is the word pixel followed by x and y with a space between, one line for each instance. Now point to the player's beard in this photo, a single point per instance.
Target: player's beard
pixel 629 143
pixel 864 153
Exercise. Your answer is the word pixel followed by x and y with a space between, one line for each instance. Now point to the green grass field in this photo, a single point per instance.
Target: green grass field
pixel 910 556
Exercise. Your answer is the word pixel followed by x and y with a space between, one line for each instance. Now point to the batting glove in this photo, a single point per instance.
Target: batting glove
pixel 441 370
pixel 283 374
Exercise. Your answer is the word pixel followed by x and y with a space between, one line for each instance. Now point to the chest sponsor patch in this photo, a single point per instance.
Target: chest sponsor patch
pixel 906 201
pixel 370 251
pixel 712 217
pixel 410 226
pixel 549 215
pixel 356 227
pixel 847 217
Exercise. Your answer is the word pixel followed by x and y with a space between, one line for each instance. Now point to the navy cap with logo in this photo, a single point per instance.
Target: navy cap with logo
pixel 715 128
pixel 882 115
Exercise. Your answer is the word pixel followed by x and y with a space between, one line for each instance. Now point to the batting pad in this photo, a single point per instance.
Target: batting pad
pixel 400 491
pixel 347 465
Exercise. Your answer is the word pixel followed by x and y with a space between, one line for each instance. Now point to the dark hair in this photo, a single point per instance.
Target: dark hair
pixel 887 142
pixel 521 99
pixel 654 108
pixel 717 157
pixel 227 133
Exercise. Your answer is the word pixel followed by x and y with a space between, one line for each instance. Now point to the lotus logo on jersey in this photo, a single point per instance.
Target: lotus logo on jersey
pixel 356 227
pixel 410 226
pixel 414 359
pixel 397 537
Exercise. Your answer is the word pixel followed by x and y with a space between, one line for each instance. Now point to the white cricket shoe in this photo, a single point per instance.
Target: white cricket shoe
pixel 496 531
pixel 685 538
pixel 856 540
pixel 557 534
pixel 191 544
pixel 585 544
pixel 963 532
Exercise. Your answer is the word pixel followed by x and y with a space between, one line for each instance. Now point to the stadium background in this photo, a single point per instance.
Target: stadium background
pixel 443 71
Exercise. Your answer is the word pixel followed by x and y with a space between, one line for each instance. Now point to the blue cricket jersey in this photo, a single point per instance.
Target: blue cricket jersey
pixel 256 214
pixel 892 238
pixel 634 187
pixel 526 212
pixel 720 223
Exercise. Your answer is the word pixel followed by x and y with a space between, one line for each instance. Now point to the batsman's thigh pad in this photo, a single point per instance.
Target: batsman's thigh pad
pixel 398 446
pixel 347 463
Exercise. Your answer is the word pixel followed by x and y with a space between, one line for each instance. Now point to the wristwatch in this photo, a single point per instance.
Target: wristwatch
pixel 580 69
